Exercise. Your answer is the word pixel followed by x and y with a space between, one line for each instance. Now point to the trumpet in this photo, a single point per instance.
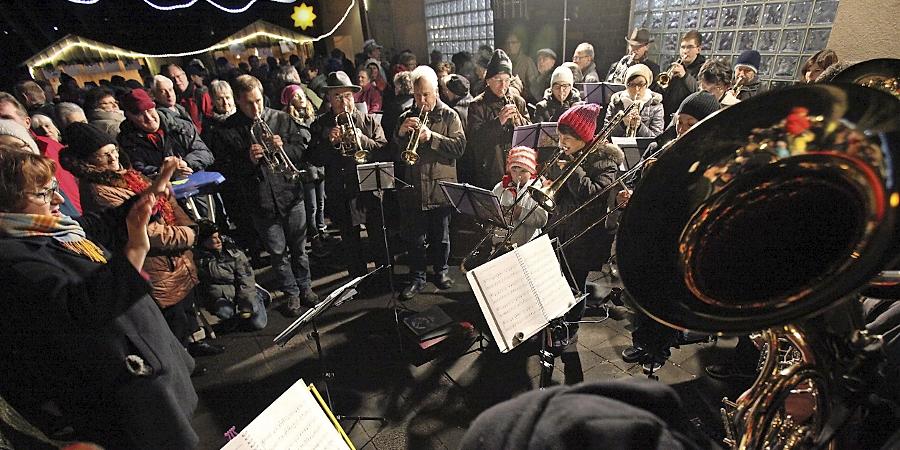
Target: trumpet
pixel 350 144
pixel 517 120
pixel 736 89
pixel 665 78
pixel 631 131
pixel 273 155
pixel 544 196
pixel 410 156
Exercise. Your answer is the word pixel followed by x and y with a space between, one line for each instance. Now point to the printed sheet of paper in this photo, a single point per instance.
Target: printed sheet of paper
pixel 520 292
pixel 294 421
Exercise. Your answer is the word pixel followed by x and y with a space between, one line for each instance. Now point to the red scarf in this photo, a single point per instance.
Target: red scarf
pixel 137 183
pixel 156 137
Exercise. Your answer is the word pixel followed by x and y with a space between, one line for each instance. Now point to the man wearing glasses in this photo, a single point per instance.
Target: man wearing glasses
pixel 584 57
pixel 684 75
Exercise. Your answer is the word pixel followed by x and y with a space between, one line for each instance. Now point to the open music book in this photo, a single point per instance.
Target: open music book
pixel 298 419
pixel 521 292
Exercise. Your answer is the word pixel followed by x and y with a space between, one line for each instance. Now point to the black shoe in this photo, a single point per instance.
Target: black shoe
pixel 443 281
pixel 309 298
pixel 204 348
pixel 294 307
pixel 633 354
pixel 199 371
pixel 412 290
pixel 729 372
pixel 653 363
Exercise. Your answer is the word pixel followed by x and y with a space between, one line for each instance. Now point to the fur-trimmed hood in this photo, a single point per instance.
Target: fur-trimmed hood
pixel 654 98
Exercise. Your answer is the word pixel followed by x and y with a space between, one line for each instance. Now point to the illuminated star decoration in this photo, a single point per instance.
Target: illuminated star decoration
pixel 303 16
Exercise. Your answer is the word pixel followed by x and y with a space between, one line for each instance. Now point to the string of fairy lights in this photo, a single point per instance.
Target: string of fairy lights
pixel 191 3
pixel 134 55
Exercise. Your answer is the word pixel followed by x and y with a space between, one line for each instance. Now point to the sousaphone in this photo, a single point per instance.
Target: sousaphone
pixel 771 215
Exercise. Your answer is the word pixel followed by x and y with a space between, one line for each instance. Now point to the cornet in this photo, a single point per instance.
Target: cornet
pixel 516 120
pixel 274 155
pixel 665 78
pixel 631 131
pixel 410 155
pixel 349 144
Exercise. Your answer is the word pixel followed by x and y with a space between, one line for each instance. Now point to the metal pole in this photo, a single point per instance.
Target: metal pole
pixel 565 23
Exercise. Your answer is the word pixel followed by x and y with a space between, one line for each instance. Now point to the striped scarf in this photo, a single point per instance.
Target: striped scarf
pixel 63 229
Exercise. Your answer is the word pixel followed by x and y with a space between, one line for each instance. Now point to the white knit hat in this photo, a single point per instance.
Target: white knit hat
pixel 12 128
pixel 639 69
pixel 561 75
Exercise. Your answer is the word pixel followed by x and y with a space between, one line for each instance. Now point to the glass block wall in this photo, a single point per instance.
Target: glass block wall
pixel 457 25
pixel 785 33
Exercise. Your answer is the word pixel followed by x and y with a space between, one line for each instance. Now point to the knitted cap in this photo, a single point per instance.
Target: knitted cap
pixel 562 74
pixel 523 157
pixel 699 105
pixel 205 229
pixel 581 118
pixel 83 139
pixel 12 128
pixel 136 101
pixel 457 84
pixel 547 52
pixel 499 63
pixel 287 94
pixel 639 70
pixel 748 58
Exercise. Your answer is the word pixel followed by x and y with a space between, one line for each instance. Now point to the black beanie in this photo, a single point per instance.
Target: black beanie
pixel 83 139
pixel 205 229
pixel 499 63
pixel 458 84
pixel 699 105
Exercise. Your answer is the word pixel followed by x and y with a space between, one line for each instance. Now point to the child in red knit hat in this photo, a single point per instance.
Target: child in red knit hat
pixel 521 170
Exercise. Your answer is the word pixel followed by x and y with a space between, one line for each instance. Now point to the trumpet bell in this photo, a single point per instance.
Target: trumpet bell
pixel 767 212
pixel 543 196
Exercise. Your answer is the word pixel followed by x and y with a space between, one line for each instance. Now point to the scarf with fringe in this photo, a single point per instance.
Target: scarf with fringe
pixel 63 229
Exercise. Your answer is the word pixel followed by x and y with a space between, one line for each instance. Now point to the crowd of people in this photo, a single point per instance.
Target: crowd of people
pixel 109 263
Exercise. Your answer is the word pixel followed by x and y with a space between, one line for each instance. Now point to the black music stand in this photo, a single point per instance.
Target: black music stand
pixel 598 93
pixel 536 135
pixel 474 201
pixel 337 297
pixel 379 177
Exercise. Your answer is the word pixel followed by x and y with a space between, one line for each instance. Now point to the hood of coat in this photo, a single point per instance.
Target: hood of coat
pixel 654 98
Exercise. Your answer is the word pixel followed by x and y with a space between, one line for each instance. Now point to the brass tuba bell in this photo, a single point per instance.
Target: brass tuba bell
pixel 771 215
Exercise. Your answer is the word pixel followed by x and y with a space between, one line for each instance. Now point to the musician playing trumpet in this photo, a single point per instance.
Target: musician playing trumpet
pixel 429 159
pixel 646 120
pixel 683 74
pixel 492 117
pixel 272 198
pixel 346 206
pixel 746 82
pixel 638 48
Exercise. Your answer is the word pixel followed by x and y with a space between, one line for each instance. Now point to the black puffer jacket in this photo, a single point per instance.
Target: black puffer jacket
pixel 488 139
pixel 179 138
pixel 549 109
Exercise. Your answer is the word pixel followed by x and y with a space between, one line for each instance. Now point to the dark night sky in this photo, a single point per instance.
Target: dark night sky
pixel 27 26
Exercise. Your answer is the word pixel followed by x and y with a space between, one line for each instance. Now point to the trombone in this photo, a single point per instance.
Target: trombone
pixel 410 155
pixel 273 155
pixel 350 144
pixel 665 78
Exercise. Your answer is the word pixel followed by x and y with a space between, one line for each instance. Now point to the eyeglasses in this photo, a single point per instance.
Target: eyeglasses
pixel 688 47
pixel 637 84
pixel 561 86
pixel 46 195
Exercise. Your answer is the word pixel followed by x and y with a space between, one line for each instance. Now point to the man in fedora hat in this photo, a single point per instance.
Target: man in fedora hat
pixel 346 206
pixel 638 48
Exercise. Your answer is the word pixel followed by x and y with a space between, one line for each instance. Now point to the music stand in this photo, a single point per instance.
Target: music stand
pixel 536 135
pixel 337 297
pixel 378 177
pixel 598 93
pixel 474 201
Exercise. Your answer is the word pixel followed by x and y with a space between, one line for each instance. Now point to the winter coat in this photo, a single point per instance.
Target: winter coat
pixel 371 96
pixel 106 120
pixel 179 139
pixel 461 106
pixel 549 109
pixel 68 185
pixel 198 103
pixel 540 84
pixel 654 70
pixel 590 74
pixel 489 141
pixel 345 205
pixel 437 157
pixel 88 338
pixel 750 89
pixel 680 88
pixel 260 191
pixel 225 274
pixel 526 70
pixel 651 113
pixel 170 263
pixel 532 222
pixel 598 171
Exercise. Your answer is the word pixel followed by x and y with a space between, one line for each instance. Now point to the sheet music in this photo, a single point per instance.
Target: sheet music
pixel 293 421
pixel 520 292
